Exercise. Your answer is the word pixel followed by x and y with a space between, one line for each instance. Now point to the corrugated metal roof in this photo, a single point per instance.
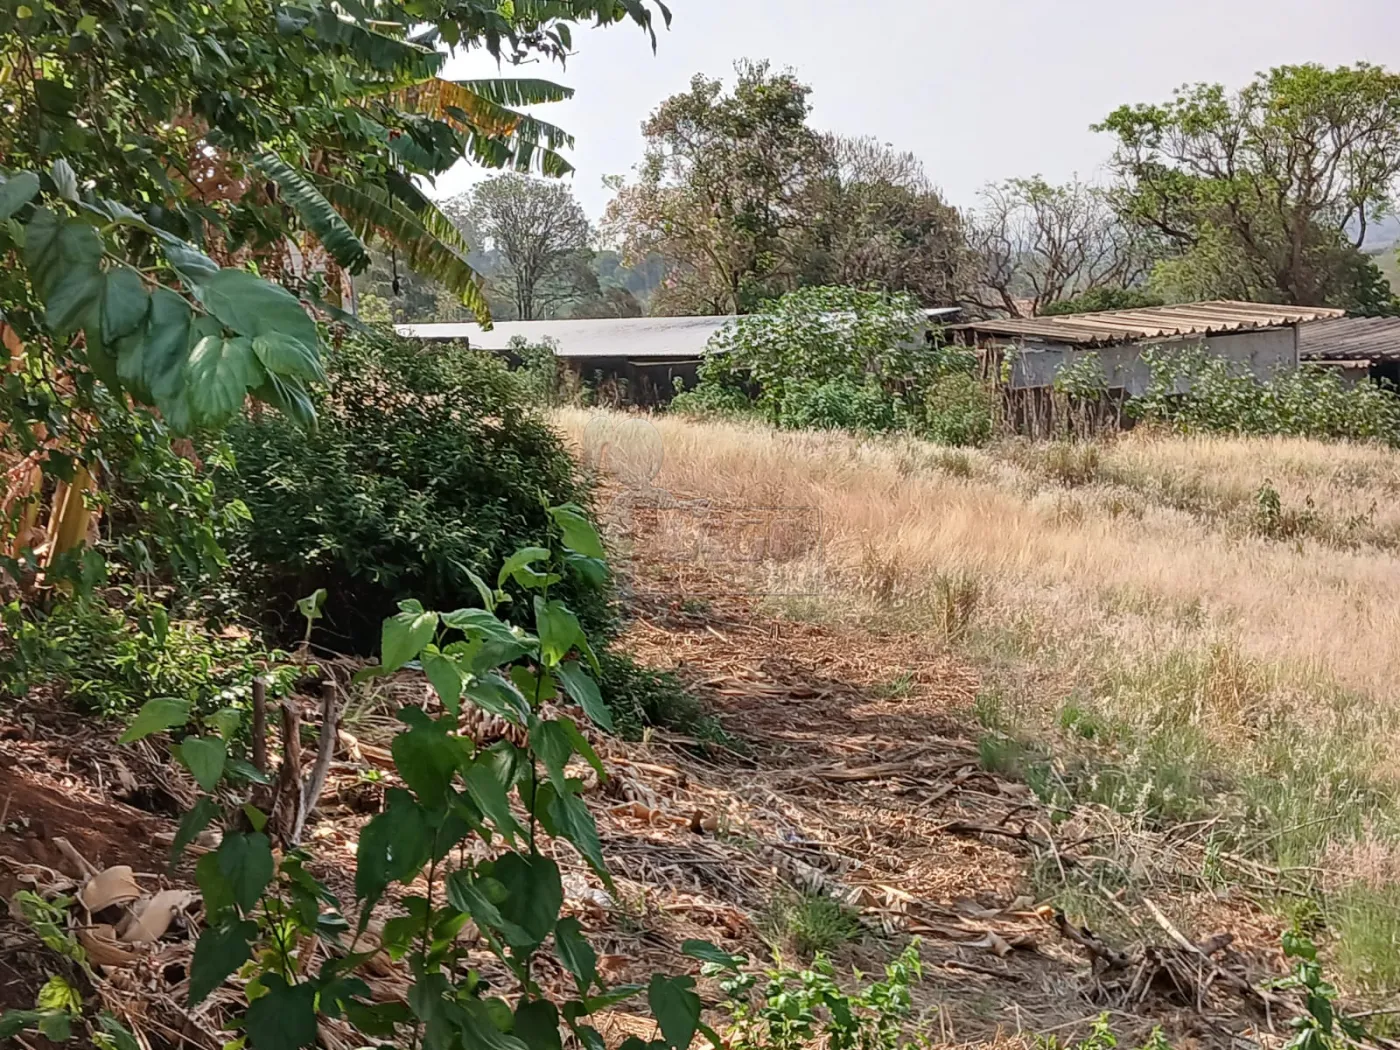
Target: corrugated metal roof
pixel 679 338
pixel 668 337
pixel 1157 322
pixel 1351 339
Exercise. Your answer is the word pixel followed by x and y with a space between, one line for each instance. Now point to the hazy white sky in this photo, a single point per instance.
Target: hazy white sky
pixel 980 89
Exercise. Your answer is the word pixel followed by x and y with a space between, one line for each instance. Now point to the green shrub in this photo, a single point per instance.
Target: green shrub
pixel 110 653
pixel 639 697
pixel 1219 396
pixel 958 410
pixel 711 400
pixel 840 404
pixel 796 1009
pixel 427 466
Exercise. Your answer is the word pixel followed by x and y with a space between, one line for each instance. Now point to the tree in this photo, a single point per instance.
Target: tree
pixel 151 153
pixel 541 236
pixel 1104 299
pixel 1266 193
pixel 1034 244
pixel 718 193
pixel 875 220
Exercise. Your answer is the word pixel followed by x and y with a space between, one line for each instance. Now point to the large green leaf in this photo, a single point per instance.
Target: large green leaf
pixel 585 691
pixel 64 259
pixel 517 568
pixel 252 306
pixel 284 1018
pixel 153 359
pixel 283 355
pixel 518 91
pixel 219 373
pixel 578 532
pixel 218 953
pixel 393 845
pixel 576 953
pixel 446 679
pixel 154 716
pixel 316 213
pixel 552 742
pixel 427 758
pixel 204 757
pixel 244 867
pixel 195 820
pixel 491 692
pixel 489 788
pixel 124 303
pixel 431 246
pixel 570 818
pixel 533 894
pixel 676 1007
pixel 17 191
pixel 404 635
pixel 558 629
pixel 467 894
pixel 537 1025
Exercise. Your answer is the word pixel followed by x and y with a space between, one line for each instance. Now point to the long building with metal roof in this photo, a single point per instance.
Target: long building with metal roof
pixel 1115 327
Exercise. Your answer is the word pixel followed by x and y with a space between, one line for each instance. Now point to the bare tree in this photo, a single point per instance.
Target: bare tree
pixel 876 219
pixel 539 232
pixel 1035 243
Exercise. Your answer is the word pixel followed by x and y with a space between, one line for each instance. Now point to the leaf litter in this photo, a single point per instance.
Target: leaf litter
pixel 828 786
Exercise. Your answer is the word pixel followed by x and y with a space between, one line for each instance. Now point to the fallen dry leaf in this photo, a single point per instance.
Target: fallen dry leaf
pixel 114 885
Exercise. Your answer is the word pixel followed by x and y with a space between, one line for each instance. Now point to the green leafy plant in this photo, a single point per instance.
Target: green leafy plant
pixel 1194 391
pixel 412 860
pixel 811 924
pixel 426 468
pixel 1323 1025
pixel 113 651
pixel 799 1008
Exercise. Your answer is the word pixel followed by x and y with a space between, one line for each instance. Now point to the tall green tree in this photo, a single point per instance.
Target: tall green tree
pixel 1266 193
pixel 718 192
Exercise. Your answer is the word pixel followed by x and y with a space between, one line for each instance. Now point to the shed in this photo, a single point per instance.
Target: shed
pixel 1260 336
pixel 1358 347
pixel 643 355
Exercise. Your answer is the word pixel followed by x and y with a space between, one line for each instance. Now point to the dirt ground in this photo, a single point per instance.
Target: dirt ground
pixel 853 773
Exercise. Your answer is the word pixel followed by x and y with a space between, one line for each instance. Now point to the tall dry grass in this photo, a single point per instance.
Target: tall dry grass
pixel 1233 658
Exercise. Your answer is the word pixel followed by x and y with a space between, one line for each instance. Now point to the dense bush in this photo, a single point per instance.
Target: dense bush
pixel 112 651
pixel 847 359
pixel 428 465
pixel 1195 391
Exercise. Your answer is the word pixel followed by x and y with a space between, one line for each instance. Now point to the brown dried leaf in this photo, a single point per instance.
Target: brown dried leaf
pixel 150 919
pixel 101 944
pixel 114 885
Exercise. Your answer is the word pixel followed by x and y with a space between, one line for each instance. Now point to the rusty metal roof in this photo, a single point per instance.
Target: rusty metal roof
pixel 1351 339
pixel 1158 322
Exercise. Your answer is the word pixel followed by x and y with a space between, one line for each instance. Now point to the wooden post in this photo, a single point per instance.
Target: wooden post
pixel 260 724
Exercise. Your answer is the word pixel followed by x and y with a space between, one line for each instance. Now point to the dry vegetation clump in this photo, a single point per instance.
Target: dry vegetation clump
pixel 1187 631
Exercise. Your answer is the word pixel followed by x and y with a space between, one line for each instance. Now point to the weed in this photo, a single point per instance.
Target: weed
pixel 1324 1026
pixel 639 697
pixel 1367 923
pixel 803 1008
pixel 809 923
pixel 956 597
pixel 896 688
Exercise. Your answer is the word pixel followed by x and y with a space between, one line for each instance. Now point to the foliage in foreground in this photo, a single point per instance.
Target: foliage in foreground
pixel 264 912
pixel 1222 397
pixel 426 467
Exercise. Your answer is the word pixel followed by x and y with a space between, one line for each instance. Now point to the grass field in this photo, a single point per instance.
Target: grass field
pixel 1188 631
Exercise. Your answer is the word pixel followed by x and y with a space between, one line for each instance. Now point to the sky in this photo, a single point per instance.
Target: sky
pixel 980 90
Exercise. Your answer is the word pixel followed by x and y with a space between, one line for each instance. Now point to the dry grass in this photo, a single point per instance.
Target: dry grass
pixel 1128 614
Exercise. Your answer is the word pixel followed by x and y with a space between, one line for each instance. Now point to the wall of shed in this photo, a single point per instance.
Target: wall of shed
pixel 1264 353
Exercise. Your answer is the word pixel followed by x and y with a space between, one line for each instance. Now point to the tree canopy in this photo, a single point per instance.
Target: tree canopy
pixel 1266 193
